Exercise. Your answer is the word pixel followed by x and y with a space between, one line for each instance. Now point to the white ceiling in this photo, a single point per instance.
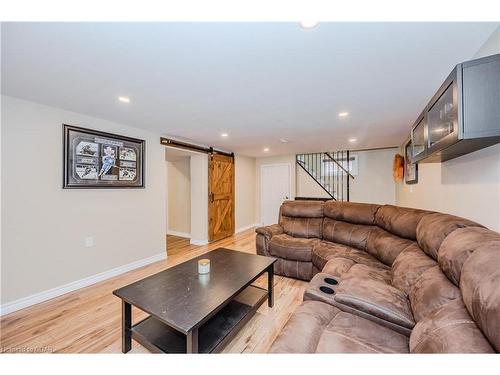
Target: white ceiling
pixel 256 81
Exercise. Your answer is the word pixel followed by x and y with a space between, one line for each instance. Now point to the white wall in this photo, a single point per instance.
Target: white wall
pixel 44 226
pixel 306 187
pixel 374 182
pixel 179 195
pixel 468 186
pixel 199 199
pixel 245 192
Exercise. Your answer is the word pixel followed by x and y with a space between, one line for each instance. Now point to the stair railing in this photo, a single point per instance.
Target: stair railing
pixel 330 170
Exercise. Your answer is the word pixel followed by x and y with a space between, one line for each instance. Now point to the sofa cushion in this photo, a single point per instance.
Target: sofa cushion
pixel 354 235
pixel 449 329
pixel 459 245
pixel 431 291
pixel 386 246
pixel 304 209
pixel 400 221
pixel 292 248
pixel 303 331
pixel 370 273
pixel 356 213
pixel 302 227
pixel 348 333
pixel 317 327
pixel 435 227
pixel 338 266
pixel 323 251
pixel 480 286
pixel 408 266
pixel 376 298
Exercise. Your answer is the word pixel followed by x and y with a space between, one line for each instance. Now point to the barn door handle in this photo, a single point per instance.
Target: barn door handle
pixel 211 197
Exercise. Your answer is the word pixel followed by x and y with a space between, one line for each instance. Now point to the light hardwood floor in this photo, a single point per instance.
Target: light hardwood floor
pixel 89 320
pixel 178 245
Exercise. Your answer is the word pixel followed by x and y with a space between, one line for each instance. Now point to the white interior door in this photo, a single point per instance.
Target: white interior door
pixel 274 189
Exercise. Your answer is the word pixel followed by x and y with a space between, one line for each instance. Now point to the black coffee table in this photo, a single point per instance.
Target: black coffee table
pixel 193 313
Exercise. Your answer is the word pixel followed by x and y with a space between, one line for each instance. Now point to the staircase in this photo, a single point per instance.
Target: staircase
pixel 330 170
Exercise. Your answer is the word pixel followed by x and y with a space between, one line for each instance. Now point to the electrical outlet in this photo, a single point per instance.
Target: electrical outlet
pixel 89 241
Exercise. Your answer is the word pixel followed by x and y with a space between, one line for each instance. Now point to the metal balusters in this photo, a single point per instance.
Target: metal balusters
pixel 330 170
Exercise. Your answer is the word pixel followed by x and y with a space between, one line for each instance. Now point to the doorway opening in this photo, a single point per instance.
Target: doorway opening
pixel 178 199
pixel 187 199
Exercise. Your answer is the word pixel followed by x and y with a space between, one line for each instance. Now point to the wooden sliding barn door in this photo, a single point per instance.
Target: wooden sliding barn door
pixel 221 196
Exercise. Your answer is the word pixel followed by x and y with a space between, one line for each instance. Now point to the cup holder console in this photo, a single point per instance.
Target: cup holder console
pixel 331 281
pixel 326 290
pixel 323 287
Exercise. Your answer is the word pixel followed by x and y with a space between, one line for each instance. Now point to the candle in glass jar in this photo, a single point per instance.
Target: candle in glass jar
pixel 203 266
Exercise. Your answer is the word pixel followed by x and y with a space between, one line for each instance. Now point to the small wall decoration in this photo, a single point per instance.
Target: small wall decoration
pixel 411 169
pixel 398 168
pixel 94 159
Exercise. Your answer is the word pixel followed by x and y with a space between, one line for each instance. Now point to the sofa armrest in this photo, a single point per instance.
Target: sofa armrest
pixel 270 230
pixel 375 298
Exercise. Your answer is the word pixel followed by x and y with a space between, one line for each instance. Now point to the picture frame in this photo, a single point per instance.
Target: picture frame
pixel 93 159
pixel 411 169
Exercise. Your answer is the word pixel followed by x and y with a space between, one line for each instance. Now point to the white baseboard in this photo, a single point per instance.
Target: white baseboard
pixel 179 234
pixel 22 303
pixel 198 242
pixel 239 230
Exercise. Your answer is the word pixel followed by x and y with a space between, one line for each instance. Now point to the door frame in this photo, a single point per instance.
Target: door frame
pixel 289 165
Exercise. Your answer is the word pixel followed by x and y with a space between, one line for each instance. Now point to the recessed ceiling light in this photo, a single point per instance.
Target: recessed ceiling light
pixel 224 135
pixel 309 24
pixel 283 140
pixel 124 99
pixel 343 114
pixel 352 140
pixel 266 149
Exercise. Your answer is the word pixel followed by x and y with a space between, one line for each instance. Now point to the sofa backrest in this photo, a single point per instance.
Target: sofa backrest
pixel 480 286
pixel 302 218
pixel 456 303
pixel 394 233
pixel 459 296
pixel 383 231
pixel 400 221
pixel 434 228
pixel 351 212
pixel 348 223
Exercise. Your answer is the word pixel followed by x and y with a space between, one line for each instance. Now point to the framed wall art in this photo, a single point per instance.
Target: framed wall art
pixel 411 169
pixel 95 159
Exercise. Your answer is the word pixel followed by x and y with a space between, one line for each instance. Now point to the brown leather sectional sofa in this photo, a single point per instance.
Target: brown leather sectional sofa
pixel 386 279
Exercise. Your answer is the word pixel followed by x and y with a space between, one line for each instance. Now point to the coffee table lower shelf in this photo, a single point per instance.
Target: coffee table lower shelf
pixel 213 335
